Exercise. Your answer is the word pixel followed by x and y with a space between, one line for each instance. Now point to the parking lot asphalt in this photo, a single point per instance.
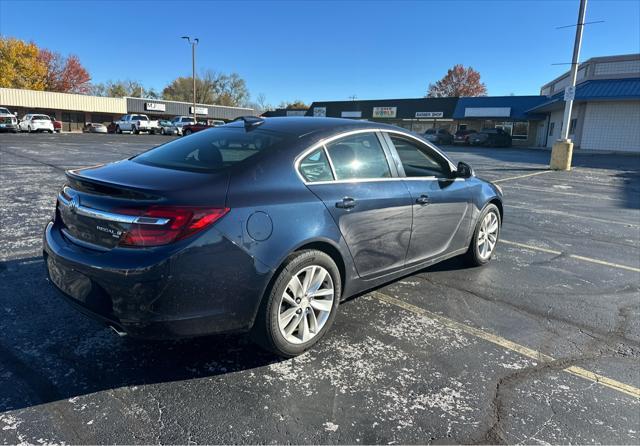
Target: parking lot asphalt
pixel 540 346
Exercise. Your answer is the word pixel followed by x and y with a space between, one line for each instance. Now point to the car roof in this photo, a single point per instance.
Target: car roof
pixel 307 125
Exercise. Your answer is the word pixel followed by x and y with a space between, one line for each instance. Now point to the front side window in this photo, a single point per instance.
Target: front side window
pixel 211 150
pixel 315 167
pixel 358 156
pixel 418 160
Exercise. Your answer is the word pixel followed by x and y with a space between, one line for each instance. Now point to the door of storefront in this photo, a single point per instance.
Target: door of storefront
pixel 72 122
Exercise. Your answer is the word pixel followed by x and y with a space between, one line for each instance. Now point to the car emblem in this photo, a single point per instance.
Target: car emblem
pixel 73 204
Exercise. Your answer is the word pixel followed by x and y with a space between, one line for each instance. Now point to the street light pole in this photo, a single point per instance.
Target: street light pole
pixel 562 151
pixel 193 44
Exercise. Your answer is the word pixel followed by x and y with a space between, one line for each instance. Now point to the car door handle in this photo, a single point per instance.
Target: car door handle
pixel 346 203
pixel 423 199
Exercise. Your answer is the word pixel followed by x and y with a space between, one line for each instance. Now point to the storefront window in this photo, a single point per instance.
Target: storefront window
pixel 520 130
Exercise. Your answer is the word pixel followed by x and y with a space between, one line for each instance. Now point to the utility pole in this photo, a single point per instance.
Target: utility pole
pixel 562 151
pixel 193 44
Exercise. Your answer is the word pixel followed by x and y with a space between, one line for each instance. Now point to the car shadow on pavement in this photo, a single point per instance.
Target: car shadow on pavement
pixel 50 352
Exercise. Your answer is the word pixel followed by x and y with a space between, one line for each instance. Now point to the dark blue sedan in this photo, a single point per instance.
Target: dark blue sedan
pixel 262 226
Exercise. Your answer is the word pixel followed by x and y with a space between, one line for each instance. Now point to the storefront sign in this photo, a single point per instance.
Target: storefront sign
pixel 199 110
pixel 155 106
pixel 384 112
pixel 320 112
pixel 351 114
pixel 487 112
pixel 429 114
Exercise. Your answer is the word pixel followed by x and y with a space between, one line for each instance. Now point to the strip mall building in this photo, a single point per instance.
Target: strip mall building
pixel 74 110
pixel 606 113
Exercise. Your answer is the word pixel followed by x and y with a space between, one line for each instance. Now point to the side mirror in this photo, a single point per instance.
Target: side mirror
pixel 464 170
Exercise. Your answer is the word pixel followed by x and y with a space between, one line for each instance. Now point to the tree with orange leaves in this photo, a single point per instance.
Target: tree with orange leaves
pixel 458 82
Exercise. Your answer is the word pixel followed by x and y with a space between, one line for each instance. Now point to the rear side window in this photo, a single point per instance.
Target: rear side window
pixel 211 150
pixel 315 167
pixel 418 160
pixel 358 156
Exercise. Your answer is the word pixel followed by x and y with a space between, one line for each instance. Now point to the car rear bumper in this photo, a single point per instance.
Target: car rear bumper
pixel 8 127
pixel 214 287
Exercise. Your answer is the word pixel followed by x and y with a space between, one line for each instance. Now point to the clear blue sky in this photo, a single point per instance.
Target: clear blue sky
pixel 327 50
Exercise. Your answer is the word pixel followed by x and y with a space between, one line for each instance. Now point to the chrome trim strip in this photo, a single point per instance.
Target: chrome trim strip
pixel 111 216
pixel 323 142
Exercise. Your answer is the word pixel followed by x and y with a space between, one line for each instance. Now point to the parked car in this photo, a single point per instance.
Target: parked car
pixel 154 126
pixel 439 136
pixel 8 121
pixel 94 127
pixel 36 123
pixel 262 225
pixel 112 127
pixel 462 136
pixel 167 127
pixel 188 129
pixel 181 121
pixel 57 125
pixel 491 137
pixel 133 124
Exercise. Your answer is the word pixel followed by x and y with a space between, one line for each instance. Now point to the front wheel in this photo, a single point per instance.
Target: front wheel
pixel 187 132
pixel 485 237
pixel 301 304
pixel 118 130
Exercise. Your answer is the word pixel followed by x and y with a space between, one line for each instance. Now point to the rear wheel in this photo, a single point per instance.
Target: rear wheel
pixel 134 131
pixel 187 132
pixel 118 130
pixel 301 304
pixel 485 237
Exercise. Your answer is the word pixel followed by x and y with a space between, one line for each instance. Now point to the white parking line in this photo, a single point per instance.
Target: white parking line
pixel 567 214
pixel 573 256
pixel 510 345
pixel 521 176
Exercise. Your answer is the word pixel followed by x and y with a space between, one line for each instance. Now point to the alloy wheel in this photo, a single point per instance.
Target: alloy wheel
pixel 488 235
pixel 306 304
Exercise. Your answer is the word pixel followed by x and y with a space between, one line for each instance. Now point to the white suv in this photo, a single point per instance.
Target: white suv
pixel 180 121
pixel 35 123
pixel 134 124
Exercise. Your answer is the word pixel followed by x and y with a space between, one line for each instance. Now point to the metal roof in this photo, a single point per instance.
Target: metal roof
pixel 518 106
pixel 596 90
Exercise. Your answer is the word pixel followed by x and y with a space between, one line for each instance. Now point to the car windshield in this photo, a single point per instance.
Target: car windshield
pixel 211 150
pixel 4 111
pixel 139 118
pixel 430 132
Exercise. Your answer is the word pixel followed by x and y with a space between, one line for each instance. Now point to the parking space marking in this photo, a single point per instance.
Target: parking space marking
pixel 509 345
pixel 567 214
pixel 573 256
pixel 521 176
pixel 574 194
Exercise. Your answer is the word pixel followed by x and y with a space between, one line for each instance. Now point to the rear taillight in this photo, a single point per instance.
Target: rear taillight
pixel 183 222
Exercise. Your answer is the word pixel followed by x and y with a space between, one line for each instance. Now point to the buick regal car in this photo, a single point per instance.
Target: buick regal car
pixel 262 226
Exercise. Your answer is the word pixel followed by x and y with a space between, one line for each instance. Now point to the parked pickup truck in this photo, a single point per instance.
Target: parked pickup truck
pixel 8 121
pixel 135 124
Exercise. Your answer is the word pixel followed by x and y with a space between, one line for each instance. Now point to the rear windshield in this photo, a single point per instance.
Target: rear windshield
pixel 40 118
pixel 430 132
pixel 139 118
pixel 211 150
pixel 4 111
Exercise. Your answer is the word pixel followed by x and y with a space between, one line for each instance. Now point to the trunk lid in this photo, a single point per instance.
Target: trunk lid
pixel 94 207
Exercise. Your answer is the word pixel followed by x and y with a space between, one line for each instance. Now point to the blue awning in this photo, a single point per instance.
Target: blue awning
pixel 596 90
pixel 502 107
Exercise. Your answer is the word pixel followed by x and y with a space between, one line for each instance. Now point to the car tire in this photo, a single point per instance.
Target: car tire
pixel 134 131
pixel 282 309
pixel 484 231
pixel 162 131
pixel 118 130
pixel 187 132
pixel 29 129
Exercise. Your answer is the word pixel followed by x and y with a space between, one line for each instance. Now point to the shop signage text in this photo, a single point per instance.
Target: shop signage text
pixel 155 106
pixel 429 114
pixel 199 110
pixel 384 112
